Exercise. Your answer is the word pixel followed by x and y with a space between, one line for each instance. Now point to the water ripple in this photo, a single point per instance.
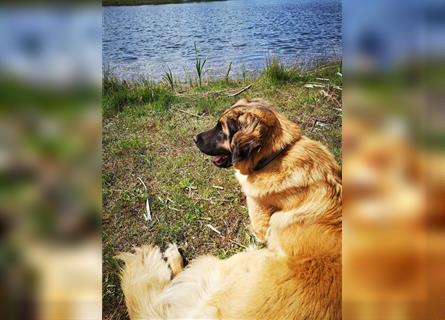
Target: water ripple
pixel 144 40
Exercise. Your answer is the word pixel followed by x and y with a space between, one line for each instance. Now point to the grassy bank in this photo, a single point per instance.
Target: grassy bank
pixel 148 152
pixel 143 2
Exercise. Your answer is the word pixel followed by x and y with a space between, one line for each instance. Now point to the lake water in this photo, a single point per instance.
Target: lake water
pixel 142 41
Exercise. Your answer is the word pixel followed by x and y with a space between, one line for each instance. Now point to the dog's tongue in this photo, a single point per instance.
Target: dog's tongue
pixel 218 159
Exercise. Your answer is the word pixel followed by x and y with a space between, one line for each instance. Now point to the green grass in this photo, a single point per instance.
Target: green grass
pixel 147 135
pixel 119 94
pixel 276 73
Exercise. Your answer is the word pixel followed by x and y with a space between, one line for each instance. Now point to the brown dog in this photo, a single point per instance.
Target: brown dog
pixel 289 180
pixel 293 189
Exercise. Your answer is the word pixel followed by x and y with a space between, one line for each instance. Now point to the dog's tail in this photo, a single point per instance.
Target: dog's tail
pixel 143 278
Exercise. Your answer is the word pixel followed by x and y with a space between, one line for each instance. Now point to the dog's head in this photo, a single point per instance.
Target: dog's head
pixel 248 130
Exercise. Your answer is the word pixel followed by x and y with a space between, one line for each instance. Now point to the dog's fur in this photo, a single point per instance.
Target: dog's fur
pixel 293 190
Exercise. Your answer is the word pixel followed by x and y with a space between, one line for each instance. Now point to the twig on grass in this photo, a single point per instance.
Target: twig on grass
pixel 238 244
pixel 240 91
pixel 314 85
pixel 145 186
pixel 330 97
pixel 147 214
pixel 189 113
pixel 313 125
pixel 202 94
pixel 220 234
pixel 213 229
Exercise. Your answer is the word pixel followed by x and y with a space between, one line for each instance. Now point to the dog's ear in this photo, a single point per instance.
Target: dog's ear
pixel 232 126
pixel 247 139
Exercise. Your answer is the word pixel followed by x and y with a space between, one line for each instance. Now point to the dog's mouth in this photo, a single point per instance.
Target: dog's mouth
pixel 222 160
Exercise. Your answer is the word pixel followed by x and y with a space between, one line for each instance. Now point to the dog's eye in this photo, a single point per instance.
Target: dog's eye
pixel 221 134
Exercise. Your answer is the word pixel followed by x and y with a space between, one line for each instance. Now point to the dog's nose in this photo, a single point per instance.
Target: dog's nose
pixel 195 139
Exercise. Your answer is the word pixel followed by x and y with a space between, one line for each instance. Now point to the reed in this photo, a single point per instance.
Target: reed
pixel 169 78
pixel 245 73
pixel 228 72
pixel 199 65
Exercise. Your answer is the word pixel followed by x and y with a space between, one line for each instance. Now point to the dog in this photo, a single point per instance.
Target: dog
pixel 293 190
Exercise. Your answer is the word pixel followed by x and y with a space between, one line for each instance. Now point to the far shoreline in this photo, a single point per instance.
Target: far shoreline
pixel 121 3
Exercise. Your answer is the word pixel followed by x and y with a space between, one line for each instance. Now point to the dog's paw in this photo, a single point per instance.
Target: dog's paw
pixel 174 258
pixel 258 233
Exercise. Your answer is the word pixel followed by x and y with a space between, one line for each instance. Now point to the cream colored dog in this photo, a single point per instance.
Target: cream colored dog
pixel 293 189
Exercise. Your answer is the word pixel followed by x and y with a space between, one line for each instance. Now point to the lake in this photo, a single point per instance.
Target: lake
pixel 143 41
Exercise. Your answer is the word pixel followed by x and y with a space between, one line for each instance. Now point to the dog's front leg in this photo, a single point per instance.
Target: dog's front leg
pixel 259 218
